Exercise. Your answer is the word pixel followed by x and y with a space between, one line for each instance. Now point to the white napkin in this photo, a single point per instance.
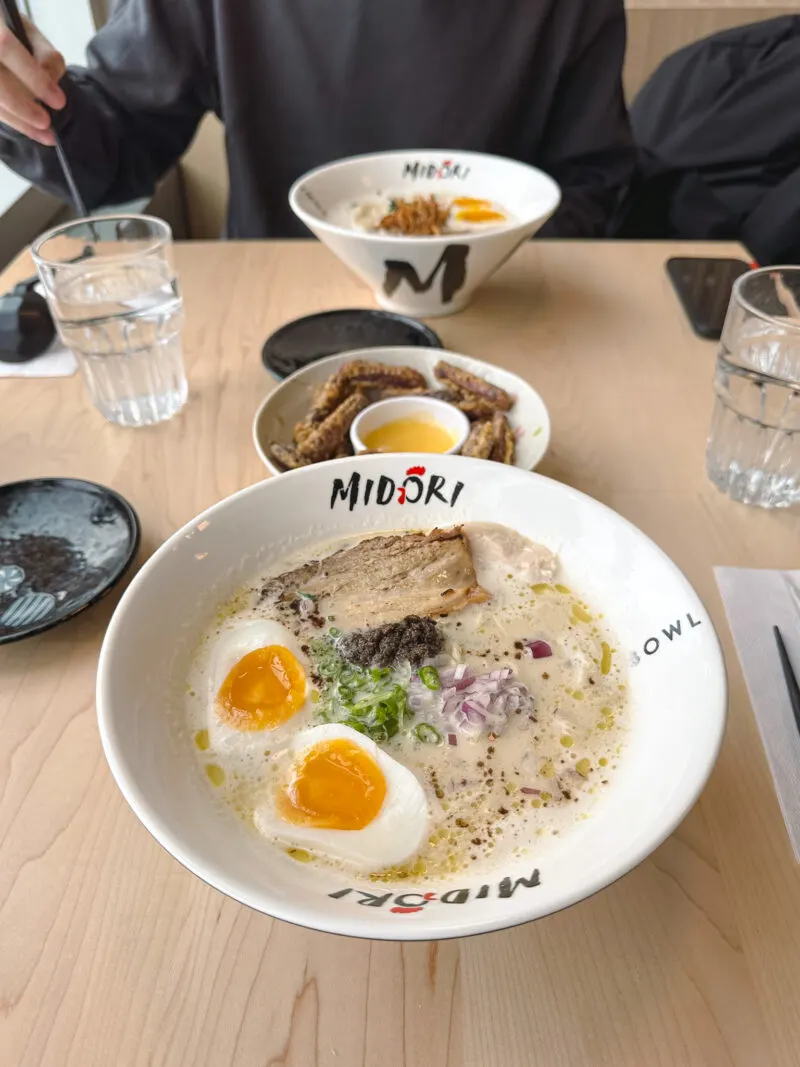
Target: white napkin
pixel 755 601
pixel 55 362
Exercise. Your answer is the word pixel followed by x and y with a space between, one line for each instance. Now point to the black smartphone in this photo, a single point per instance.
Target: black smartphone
pixel 704 288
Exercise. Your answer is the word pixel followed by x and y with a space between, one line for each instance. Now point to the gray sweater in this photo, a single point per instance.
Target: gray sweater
pixel 302 82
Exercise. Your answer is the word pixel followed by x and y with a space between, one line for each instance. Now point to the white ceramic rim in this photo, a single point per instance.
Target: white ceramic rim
pixel 424 403
pixel 363 928
pixel 355 353
pixel 445 238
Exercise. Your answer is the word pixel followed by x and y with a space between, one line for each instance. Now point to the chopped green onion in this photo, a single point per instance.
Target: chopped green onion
pixel 306 596
pixel 427 733
pixel 429 677
pixel 372 700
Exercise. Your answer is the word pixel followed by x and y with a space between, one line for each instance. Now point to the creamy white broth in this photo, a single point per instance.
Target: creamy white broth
pixel 491 797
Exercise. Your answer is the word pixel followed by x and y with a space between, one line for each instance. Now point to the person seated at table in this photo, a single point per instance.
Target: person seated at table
pixel 302 83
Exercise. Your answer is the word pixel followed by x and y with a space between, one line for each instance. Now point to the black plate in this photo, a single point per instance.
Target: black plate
pixel 305 340
pixel 63 544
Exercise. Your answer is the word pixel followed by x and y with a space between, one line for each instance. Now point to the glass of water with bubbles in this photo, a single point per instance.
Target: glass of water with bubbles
pixel 111 287
pixel 754 444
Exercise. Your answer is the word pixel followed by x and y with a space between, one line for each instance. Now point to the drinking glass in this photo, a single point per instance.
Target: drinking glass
pixel 111 287
pixel 753 450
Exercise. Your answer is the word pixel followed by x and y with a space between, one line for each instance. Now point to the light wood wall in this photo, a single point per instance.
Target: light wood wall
pixel 655 29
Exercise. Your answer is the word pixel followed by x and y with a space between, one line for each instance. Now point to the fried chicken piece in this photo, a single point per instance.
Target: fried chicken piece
pixel 286 456
pixel 450 396
pixel 397 390
pixel 474 408
pixel 302 431
pixel 480 442
pixel 326 439
pixel 422 216
pixel 365 374
pixel 503 435
pixel 470 383
pixel 334 391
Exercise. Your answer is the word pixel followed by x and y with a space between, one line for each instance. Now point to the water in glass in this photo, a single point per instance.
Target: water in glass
pixel 123 320
pixel 754 443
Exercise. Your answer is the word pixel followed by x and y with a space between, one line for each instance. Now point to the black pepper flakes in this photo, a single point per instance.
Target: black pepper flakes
pixel 503 811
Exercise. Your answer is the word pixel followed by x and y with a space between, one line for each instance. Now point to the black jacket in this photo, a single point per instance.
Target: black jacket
pixel 302 82
pixel 718 133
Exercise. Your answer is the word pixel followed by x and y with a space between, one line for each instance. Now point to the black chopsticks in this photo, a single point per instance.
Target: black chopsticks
pixel 789 676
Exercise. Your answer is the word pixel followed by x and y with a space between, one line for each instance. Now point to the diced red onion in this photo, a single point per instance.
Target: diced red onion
pixel 526 789
pixel 452 739
pixel 538 649
pixel 458 678
pixel 480 704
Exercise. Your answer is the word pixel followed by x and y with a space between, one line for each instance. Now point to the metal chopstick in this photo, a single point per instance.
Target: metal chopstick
pixel 14 22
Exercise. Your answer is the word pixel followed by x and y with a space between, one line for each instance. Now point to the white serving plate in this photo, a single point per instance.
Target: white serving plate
pixel 290 402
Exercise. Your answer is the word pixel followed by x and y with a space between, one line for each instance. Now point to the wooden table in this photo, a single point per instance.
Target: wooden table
pixel 112 954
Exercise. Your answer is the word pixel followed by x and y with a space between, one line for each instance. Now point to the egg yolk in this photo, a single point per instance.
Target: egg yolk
pixel 471 201
pixel 480 214
pixel 264 689
pixel 336 785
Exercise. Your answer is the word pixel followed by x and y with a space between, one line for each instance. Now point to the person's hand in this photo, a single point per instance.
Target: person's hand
pixel 26 79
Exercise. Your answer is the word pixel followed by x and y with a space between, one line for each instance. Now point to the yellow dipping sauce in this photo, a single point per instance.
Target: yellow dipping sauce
pixel 410 435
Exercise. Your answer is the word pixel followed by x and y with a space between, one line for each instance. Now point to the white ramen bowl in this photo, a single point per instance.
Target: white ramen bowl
pixel 452 420
pixel 290 401
pixel 428 276
pixel 677 692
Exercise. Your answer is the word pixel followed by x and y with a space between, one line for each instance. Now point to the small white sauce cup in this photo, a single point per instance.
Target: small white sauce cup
pixel 408 407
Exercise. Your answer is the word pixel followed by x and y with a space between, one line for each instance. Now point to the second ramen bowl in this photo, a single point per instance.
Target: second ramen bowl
pixel 426 276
